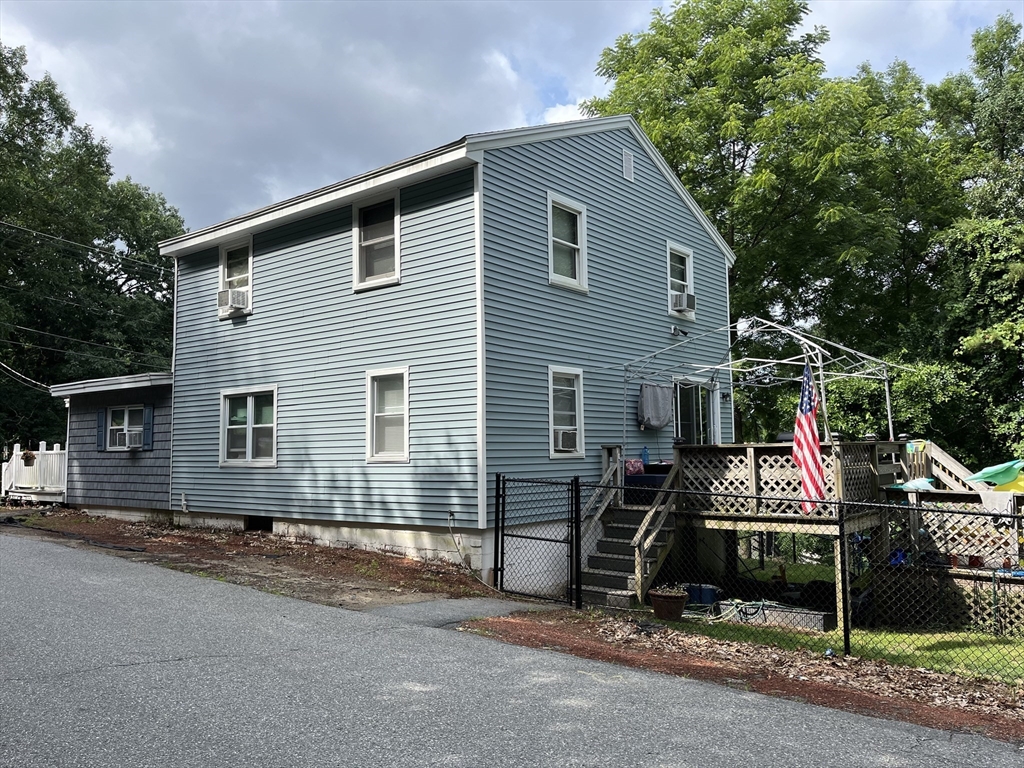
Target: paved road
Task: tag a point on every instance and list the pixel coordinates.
(106, 662)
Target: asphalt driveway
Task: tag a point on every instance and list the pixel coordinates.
(106, 662)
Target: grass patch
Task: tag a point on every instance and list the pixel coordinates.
(968, 654)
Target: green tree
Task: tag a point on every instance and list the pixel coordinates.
(828, 189)
(83, 290)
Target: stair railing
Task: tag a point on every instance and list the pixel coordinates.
(609, 488)
(648, 531)
(951, 472)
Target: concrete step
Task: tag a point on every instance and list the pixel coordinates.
(614, 598)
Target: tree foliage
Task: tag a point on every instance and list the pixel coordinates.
(879, 211)
(83, 290)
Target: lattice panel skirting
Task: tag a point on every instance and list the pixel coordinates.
(780, 478)
(858, 473)
(715, 474)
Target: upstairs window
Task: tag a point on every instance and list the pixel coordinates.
(377, 258)
(681, 299)
(566, 412)
(249, 427)
(234, 296)
(567, 243)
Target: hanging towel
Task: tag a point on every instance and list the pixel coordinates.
(654, 409)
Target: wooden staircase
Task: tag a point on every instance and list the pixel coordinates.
(609, 574)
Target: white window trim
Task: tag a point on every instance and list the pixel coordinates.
(390, 458)
(580, 210)
(581, 442)
(687, 253)
(124, 408)
(222, 281)
(358, 283)
(254, 390)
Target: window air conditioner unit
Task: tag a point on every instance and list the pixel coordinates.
(565, 440)
(684, 302)
(231, 300)
(134, 439)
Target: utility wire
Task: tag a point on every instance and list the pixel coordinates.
(83, 341)
(23, 379)
(91, 248)
(97, 310)
(74, 352)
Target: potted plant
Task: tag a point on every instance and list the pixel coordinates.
(28, 458)
(669, 601)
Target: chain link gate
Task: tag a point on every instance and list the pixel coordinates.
(537, 538)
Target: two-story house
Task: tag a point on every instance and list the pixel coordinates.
(356, 363)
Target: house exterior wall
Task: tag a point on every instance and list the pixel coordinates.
(137, 479)
(314, 339)
(530, 324)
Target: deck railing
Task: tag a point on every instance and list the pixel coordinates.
(45, 470)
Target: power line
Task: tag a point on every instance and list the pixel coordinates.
(97, 310)
(22, 378)
(74, 352)
(83, 341)
(90, 248)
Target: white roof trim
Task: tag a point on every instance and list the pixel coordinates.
(406, 171)
(462, 153)
(111, 384)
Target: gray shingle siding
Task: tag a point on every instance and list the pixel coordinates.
(531, 324)
(137, 479)
(314, 338)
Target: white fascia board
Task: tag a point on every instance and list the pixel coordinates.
(445, 159)
(497, 139)
(111, 384)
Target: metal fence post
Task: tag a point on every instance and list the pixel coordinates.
(844, 575)
(499, 524)
(577, 544)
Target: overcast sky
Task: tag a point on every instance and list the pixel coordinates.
(228, 106)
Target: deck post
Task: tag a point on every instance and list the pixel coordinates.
(752, 473)
(841, 555)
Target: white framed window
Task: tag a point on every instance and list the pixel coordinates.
(234, 295)
(124, 428)
(681, 299)
(387, 415)
(567, 243)
(249, 427)
(565, 413)
(376, 257)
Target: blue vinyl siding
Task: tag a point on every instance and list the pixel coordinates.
(313, 338)
(531, 324)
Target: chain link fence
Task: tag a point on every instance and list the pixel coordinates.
(938, 585)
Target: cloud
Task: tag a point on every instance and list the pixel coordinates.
(226, 107)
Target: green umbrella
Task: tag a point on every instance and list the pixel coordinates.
(1000, 473)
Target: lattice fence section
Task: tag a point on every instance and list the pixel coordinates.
(969, 538)
(779, 479)
(707, 475)
(858, 473)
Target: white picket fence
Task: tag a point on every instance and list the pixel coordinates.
(44, 478)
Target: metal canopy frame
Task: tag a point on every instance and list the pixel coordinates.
(829, 361)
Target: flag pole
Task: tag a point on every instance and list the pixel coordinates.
(821, 399)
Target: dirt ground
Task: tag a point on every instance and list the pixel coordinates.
(359, 580)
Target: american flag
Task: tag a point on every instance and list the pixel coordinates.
(806, 447)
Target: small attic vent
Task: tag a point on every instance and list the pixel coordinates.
(627, 165)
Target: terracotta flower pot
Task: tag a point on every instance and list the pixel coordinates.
(668, 606)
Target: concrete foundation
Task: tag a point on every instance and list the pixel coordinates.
(132, 515)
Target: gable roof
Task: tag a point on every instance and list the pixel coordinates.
(459, 154)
